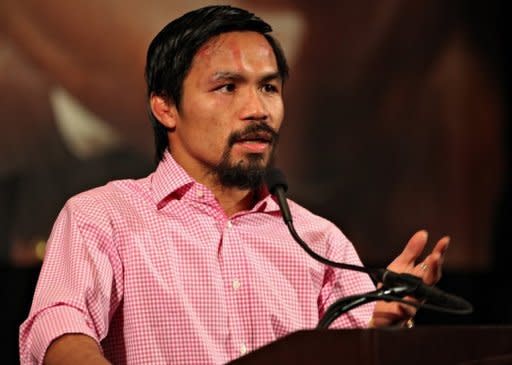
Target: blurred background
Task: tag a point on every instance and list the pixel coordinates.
(397, 119)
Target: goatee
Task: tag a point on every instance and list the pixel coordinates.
(250, 172)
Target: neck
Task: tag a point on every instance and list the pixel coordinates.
(233, 200)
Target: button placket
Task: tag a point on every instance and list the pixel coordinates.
(243, 349)
(233, 252)
(236, 284)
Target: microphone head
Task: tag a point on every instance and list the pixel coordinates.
(275, 178)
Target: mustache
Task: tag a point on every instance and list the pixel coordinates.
(254, 131)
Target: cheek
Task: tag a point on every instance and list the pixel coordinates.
(278, 113)
(215, 119)
(210, 129)
(209, 108)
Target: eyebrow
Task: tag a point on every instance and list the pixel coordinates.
(272, 76)
(234, 76)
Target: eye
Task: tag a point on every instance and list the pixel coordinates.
(270, 88)
(227, 88)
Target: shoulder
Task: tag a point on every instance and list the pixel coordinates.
(323, 236)
(111, 199)
(304, 216)
(314, 225)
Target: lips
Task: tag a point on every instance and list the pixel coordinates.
(258, 137)
(256, 142)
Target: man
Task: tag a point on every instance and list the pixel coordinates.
(193, 263)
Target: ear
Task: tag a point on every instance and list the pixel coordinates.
(164, 110)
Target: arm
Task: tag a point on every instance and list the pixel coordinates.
(343, 283)
(74, 349)
(339, 283)
(80, 285)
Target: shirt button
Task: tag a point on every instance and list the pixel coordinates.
(243, 349)
(229, 224)
(236, 284)
(199, 194)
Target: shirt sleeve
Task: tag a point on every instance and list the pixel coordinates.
(339, 283)
(80, 284)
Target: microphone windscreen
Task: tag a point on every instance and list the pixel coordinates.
(274, 178)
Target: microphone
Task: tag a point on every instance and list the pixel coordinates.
(434, 298)
(277, 185)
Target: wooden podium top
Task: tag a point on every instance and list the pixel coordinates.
(417, 346)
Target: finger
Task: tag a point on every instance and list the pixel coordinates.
(442, 245)
(436, 259)
(430, 269)
(414, 247)
(388, 313)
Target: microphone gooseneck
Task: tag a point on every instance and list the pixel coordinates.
(395, 285)
(277, 185)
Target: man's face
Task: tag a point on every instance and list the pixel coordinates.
(231, 110)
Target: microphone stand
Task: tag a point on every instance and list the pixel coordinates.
(343, 305)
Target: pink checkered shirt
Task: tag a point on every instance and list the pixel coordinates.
(156, 272)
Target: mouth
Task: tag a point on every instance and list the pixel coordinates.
(257, 137)
(257, 142)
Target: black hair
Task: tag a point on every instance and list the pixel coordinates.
(172, 51)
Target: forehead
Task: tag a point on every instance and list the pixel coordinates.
(236, 51)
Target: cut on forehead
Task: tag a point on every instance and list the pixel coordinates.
(228, 41)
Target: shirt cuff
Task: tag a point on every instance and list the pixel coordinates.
(52, 323)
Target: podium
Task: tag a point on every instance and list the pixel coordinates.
(464, 345)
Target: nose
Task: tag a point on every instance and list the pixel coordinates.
(254, 107)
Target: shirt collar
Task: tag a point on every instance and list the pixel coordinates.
(266, 203)
(170, 179)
